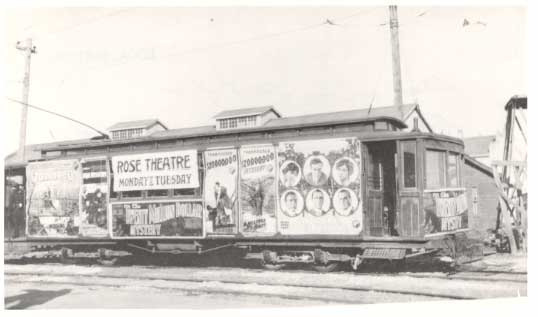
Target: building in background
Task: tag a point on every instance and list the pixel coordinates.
(482, 148)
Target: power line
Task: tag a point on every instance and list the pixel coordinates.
(239, 42)
(361, 12)
(275, 34)
(76, 25)
(236, 42)
(59, 115)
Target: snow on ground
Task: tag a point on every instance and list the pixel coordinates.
(403, 283)
(23, 295)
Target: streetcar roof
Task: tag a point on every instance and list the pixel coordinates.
(393, 114)
(243, 112)
(135, 124)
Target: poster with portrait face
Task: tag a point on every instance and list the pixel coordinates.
(220, 191)
(319, 187)
(257, 190)
(53, 198)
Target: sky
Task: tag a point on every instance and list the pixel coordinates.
(183, 65)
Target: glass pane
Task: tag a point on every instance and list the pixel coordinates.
(409, 164)
(184, 192)
(131, 194)
(158, 193)
(452, 170)
(435, 169)
(374, 174)
(113, 194)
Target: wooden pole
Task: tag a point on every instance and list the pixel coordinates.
(28, 50)
(396, 68)
(506, 218)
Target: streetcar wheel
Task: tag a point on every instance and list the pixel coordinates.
(107, 262)
(271, 267)
(66, 256)
(326, 268)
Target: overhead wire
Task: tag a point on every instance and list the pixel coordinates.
(221, 45)
(57, 114)
(230, 43)
(86, 22)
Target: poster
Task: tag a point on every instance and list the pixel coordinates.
(53, 190)
(319, 187)
(220, 190)
(446, 210)
(162, 170)
(257, 189)
(157, 219)
(92, 221)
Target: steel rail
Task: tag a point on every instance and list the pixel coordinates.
(264, 283)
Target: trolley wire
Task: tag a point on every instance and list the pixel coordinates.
(71, 27)
(59, 115)
(217, 46)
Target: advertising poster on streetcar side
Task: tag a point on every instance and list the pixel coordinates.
(157, 219)
(445, 210)
(92, 221)
(319, 187)
(53, 190)
(161, 170)
(257, 190)
(220, 190)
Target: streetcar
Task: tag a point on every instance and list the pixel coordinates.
(319, 189)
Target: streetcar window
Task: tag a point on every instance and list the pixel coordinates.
(131, 194)
(375, 174)
(409, 150)
(113, 194)
(381, 125)
(452, 170)
(435, 169)
(185, 192)
(158, 193)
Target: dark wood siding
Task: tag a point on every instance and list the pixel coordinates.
(486, 218)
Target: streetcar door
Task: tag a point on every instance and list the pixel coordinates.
(380, 187)
(14, 203)
(409, 219)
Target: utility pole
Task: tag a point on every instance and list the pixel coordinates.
(28, 49)
(396, 70)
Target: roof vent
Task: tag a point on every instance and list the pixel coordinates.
(135, 129)
(245, 118)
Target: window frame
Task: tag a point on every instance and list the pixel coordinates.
(446, 154)
(402, 174)
(458, 175)
(442, 161)
(152, 193)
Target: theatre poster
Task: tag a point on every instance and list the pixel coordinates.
(319, 187)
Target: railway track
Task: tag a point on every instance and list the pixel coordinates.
(297, 291)
(341, 287)
(475, 275)
(485, 276)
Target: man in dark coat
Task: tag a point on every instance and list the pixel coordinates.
(316, 176)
